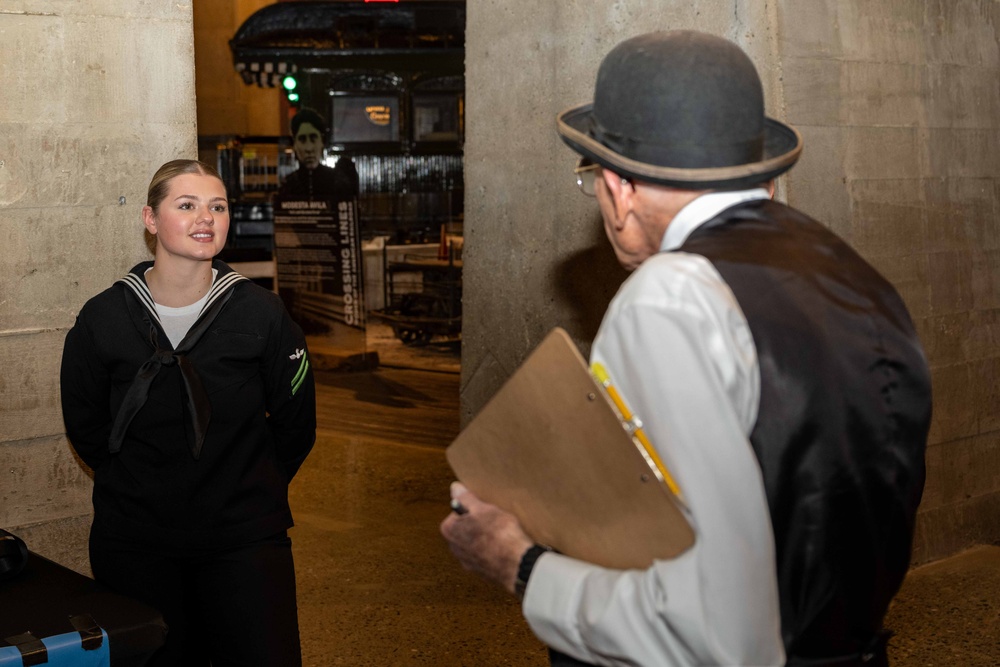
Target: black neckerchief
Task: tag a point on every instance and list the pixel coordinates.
(199, 405)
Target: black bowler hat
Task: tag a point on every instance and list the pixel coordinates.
(683, 109)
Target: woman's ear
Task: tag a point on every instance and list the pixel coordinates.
(149, 219)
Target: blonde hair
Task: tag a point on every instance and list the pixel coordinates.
(159, 186)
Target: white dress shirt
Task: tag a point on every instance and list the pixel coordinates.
(678, 348)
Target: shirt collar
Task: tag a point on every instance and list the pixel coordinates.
(703, 209)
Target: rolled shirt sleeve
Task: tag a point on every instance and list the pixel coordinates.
(679, 351)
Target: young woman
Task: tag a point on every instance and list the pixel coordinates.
(188, 390)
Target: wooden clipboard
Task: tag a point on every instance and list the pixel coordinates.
(550, 448)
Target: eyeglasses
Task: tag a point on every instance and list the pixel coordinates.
(586, 173)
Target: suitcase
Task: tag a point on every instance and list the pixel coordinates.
(53, 616)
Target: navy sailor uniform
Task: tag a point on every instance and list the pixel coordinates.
(195, 444)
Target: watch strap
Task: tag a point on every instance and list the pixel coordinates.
(527, 564)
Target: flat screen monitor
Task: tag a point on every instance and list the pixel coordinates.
(365, 119)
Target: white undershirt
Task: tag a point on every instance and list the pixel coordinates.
(176, 322)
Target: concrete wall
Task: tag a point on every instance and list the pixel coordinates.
(534, 248)
(96, 95)
(900, 108)
(900, 111)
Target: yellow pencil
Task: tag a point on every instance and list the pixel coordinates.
(602, 377)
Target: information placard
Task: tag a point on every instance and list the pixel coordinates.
(320, 270)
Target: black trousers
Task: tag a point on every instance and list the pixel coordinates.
(226, 608)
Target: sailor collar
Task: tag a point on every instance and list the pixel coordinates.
(199, 406)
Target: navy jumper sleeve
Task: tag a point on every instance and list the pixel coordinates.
(291, 393)
(85, 390)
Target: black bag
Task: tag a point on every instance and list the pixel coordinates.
(13, 555)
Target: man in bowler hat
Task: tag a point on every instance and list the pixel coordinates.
(776, 372)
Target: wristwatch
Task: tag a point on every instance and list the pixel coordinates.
(527, 565)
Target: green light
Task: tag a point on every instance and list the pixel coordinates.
(293, 97)
(289, 83)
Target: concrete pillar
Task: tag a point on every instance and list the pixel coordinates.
(900, 111)
(535, 256)
(96, 95)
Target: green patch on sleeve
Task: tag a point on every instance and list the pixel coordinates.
(300, 375)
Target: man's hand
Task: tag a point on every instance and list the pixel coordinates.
(485, 539)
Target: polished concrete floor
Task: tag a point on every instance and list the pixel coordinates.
(377, 585)
(376, 582)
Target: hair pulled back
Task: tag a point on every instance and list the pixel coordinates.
(159, 186)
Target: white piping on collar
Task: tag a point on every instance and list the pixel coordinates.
(136, 284)
(141, 290)
(220, 286)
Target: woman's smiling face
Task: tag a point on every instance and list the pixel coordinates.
(192, 221)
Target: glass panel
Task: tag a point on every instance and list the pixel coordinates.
(436, 117)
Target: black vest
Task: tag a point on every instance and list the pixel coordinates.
(844, 412)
